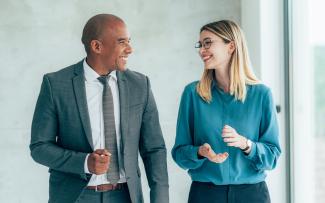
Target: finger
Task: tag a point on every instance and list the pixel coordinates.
(219, 158)
(103, 152)
(232, 144)
(106, 155)
(223, 159)
(100, 151)
(222, 155)
(227, 127)
(211, 155)
(228, 135)
(104, 159)
(106, 152)
(95, 156)
(226, 130)
(207, 146)
(100, 161)
(229, 140)
(226, 154)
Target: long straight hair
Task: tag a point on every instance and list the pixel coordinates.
(241, 73)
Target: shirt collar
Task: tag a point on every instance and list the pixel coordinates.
(91, 75)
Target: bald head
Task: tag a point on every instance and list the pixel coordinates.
(96, 26)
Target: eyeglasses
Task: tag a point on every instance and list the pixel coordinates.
(206, 44)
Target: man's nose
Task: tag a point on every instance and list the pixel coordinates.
(129, 49)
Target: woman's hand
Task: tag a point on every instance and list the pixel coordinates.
(206, 151)
(232, 138)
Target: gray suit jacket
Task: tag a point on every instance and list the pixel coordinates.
(61, 134)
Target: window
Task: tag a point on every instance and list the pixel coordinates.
(306, 82)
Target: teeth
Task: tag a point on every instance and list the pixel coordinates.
(124, 58)
(205, 58)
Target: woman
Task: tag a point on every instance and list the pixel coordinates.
(227, 131)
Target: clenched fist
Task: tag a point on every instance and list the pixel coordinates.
(98, 161)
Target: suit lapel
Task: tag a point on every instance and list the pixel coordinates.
(80, 94)
(124, 105)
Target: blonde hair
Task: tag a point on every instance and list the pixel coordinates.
(240, 70)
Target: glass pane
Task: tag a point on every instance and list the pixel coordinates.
(317, 16)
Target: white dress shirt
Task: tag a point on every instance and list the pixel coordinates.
(94, 94)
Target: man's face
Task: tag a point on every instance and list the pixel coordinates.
(116, 47)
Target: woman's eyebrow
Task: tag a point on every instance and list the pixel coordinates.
(206, 38)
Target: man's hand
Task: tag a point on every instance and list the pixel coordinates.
(206, 151)
(232, 138)
(98, 161)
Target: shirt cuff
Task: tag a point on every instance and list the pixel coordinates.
(86, 165)
(252, 153)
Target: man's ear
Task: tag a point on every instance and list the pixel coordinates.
(96, 46)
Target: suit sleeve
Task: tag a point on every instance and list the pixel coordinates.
(184, 152)
(43, 147)
(153, 151)
(266, 151)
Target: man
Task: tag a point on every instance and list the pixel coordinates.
(91, 120)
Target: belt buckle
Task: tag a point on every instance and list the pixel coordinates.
(96, 189)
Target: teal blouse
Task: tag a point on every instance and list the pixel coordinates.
(200, 122)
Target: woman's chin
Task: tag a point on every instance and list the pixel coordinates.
(208, 67)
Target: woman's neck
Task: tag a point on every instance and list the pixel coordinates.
(223, 79)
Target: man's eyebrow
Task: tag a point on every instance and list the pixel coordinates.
(123, 39)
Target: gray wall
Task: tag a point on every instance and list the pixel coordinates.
(37, 37)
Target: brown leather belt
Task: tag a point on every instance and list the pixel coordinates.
(107, 187)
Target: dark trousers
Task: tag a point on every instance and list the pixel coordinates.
(114, 196)
(244, 193)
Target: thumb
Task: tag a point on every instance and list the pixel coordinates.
(102, 152)
(207, 146)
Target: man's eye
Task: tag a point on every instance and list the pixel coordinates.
(124, 42)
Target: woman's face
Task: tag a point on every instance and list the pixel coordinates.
(214, 52)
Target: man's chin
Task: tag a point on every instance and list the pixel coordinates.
(121, 68)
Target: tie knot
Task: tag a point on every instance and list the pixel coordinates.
(104, 79)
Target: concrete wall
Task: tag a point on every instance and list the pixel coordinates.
(37, 37)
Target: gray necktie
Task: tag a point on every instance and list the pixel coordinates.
(113, 174)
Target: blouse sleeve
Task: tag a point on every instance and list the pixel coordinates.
(266, 151)
(184, 152)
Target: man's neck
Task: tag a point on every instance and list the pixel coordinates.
(98, 67)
